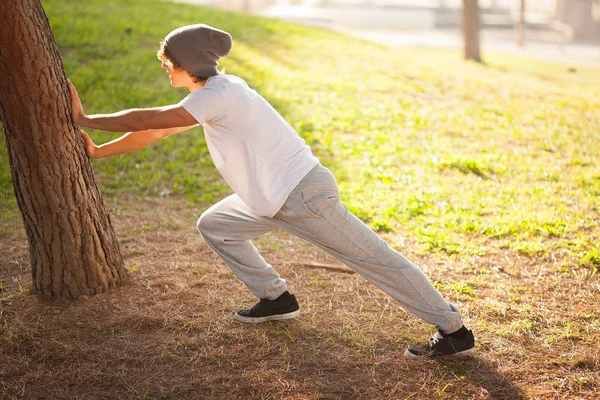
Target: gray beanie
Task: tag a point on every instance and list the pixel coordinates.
(198, 47)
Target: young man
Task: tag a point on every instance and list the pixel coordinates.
(278, 183)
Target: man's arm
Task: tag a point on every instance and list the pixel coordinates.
(129, 142)
(173, 116)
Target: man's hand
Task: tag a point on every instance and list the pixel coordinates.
(76, 107)
(90, 147)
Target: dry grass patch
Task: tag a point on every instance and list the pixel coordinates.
(170, 333)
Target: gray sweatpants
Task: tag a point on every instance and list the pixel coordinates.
(313, 212)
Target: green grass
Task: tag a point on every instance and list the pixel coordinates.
(463, 159)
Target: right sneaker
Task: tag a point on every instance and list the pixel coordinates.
(461, 342)
(284, 307)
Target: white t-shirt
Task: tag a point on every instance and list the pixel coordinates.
(256, 151)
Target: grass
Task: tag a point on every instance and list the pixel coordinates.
(479, 158)
(488, 176)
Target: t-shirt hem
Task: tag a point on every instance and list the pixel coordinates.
(293, 186)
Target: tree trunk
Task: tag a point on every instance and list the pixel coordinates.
(471, 30)
(72, 244)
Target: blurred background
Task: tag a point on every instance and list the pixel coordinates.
(559, 30)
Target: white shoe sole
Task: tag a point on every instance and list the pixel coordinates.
(459, 354)
(258, 320)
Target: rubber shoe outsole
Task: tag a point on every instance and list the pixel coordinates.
(463, 353)
(258, 320)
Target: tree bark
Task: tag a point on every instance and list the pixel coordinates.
(471, 30)
(72, 244)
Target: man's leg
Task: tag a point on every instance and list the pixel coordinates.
(228, 227)
(314, 212)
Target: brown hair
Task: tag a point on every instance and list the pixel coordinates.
(165, 55)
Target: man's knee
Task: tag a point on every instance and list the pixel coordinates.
(206, 223)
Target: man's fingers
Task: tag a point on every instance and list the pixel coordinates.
(73, 90)
(85, 135)
(90, 147)
(76, 106)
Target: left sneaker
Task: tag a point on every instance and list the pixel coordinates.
(284, 307)
(461, 342)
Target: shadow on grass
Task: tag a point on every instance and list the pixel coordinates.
(494, 383)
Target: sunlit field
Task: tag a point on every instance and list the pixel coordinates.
(487, 176)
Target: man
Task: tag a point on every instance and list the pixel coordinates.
(278, 183)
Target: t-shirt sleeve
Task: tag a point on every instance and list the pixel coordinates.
(205, 104)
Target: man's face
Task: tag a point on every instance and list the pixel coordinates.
(178, 77)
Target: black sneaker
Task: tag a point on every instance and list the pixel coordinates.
(284, 307)
(460, 342)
